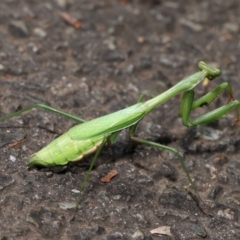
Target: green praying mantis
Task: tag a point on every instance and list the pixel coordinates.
(90, 136)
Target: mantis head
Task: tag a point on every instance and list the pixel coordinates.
(211, 72)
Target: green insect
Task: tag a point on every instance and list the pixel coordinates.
(90, 136)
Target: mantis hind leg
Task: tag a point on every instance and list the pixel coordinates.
(188, 104)
(46, 107)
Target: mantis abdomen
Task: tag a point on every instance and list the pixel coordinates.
(65, 149)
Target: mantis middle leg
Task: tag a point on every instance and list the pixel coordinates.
(132, 130)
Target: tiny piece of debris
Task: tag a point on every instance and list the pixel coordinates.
(220, 159)
(75, 191)
(74, 22)
(16, 143)
(109, 176)
(12, 158)
(67, 205)
(163, 230)
(141, 39)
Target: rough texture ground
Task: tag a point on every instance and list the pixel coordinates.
(120, 50)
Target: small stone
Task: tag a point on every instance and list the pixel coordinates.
(67, 205)
(236, 196)
(1, 67)
(39, 32)
(172, 61)
(145, 63)
(110, 43)
(138, 235)
(227, 213)
(199, 229)
(18, 29)
(222, 178)
(5, 181)
(210, 134)
(75, 191)
(49, 174)
(63, 3)
(169, 171)
(191, 25)
(141, 39)
(220, 159)
(174, 198)
(114, 236)
(130, 69)
(48, 222)
(12, 158)
(144, 179)
(113, 56)
(234, 171)
(33, 47)
(214, 192)
(231, 27)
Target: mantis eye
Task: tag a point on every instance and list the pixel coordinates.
(211, 71)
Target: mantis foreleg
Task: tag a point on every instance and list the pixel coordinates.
(188, 104)
(209, 97)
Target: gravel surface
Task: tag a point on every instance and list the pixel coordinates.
(90, 58)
